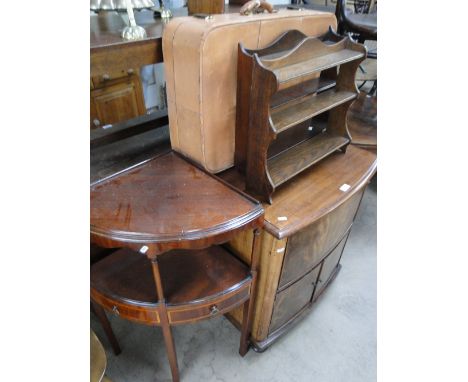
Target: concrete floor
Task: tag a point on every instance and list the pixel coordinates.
(336, 342)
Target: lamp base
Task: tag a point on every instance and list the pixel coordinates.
(135, 32)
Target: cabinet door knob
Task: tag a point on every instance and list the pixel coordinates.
(130, 71)
(105, 77)
(213, 310)
(96, 122)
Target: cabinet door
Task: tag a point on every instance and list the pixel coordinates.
(115, 103)
(329, 265)
(291, 300)
(308, 247)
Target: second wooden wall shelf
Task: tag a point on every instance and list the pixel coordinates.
(283, 85)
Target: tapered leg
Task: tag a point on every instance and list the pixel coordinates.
(246, 327)
(101, 314)
(170, 348)
(166, 328)
(247, 316)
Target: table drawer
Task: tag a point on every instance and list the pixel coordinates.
(214, 307)
(291, 300)
(148, 315)
(308, 247)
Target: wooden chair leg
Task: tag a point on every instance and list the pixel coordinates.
(101, 314)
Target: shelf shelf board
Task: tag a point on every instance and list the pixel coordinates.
(299, 110)
(289, 75)
(291, 162)
(187, 275)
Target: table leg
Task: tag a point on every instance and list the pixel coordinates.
(101, 314)
(247, 314)
(166, 328)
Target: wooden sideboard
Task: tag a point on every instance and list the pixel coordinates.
(116, 91)
(304, 235)
(115, 98)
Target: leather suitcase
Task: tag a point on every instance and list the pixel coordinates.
(200, 59)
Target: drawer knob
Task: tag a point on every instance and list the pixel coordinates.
(115, 310)
(106, 77)
(213, 310)
(130, 71)
(96, 122)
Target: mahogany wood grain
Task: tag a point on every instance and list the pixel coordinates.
(155, 204)
(293, 299)
(318, 217)
(315, 192)
(308, 247)
(262, 345)
(170, 203)
(329, 266)
(187, 276)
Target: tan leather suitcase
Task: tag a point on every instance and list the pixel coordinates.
(200, 59)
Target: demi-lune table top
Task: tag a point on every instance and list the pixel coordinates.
(168, 203)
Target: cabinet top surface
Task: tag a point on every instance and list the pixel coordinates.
(315, 192)
(168, 199)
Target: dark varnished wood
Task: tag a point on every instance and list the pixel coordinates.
(188, 276)
(329, 268)
(280, 46)
(287, 69)
(294, 160)
(243, 109)
(302, 109)
(168, 203)
(308, 247)
(315, 192)
(293, 299)
(318, 219)
(262, 345)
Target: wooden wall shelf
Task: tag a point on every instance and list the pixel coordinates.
(283, 85)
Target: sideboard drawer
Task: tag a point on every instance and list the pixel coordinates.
(291, 300)
(308, 247)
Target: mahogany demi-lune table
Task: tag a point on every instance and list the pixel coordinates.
(169, 218)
